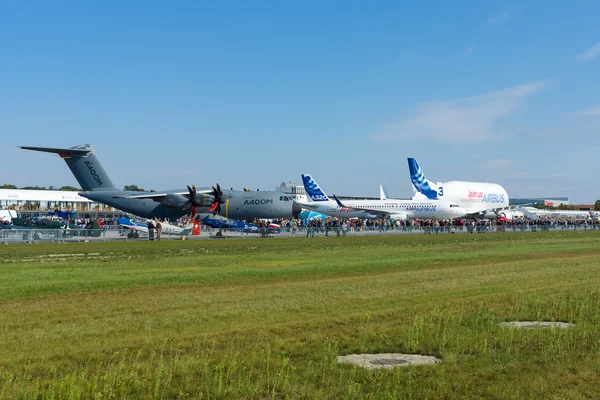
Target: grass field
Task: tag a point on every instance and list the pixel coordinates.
(268, 318)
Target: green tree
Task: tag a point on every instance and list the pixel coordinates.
(134, 188)
(542, 206)
(568, 207)
(34, 188)
(8, 186)
(597, 205)
(70, 189)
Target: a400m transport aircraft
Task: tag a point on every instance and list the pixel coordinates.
(375, 209)
(479, 199)
(171, 204)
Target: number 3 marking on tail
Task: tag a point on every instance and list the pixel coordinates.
(441, 192)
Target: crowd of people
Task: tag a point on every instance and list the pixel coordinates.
(5, 222)
(428, 226)
(154, 228)
(341, 226)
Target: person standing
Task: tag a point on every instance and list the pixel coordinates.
(150, 229)
(294, 228)
(158, 229)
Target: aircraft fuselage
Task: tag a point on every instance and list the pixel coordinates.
(238, 204)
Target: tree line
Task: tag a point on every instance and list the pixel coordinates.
(542, 206)
(64, 188)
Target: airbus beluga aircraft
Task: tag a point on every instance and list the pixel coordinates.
(172, 204)
(375, 209)
(479, 199)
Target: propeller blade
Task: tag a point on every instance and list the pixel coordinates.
(214, 206)
(192, 200)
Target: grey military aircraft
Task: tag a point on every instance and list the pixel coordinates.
(172, 204)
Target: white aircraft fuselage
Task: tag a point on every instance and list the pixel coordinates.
(475, 197)
(396, 209)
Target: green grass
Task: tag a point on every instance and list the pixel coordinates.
(267, 318)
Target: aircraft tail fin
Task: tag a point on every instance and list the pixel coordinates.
(313, 190)
(382, 194)
(419, 182)
(83, 164)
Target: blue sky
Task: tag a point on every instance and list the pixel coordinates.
(249, 94)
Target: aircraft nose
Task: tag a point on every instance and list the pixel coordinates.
(296, 210)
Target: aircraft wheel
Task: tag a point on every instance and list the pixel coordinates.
(130, 235)
(136, 235)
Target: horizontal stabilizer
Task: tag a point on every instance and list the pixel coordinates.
(77, 150)
(83, 164)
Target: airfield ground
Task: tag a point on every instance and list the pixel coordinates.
(268, 319)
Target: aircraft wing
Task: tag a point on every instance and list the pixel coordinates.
(129, 224)
(478, 214)
(153, 196)
(216, 222)
(486, 211)
(496, 211)
(135, 227)
(159, 196)
(309, 206)
(377, 213)
(224, 224)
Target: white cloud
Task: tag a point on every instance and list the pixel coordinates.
(589, 112)
(590, 53)
(499, 18)
(466, 120)
(497, 163)
(523, 174)
(470, 49)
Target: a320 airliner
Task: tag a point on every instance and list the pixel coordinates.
(477, 198)
(375, 209)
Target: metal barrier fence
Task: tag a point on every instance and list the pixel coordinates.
(86, 235)
(48, 235)
(339, 231)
